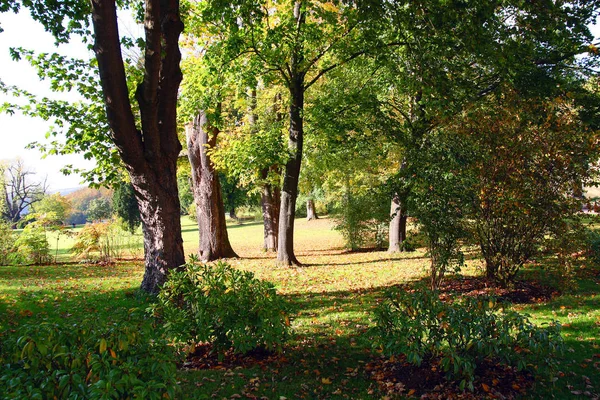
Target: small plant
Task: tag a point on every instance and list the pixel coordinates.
(464, 335)
(102, 241)
(32, 247)
(86, 361)
(7, 242)
(224, 306)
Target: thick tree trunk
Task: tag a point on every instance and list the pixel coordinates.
(150, 154)
(210, 212)
(269, 200)
(310, 210)
(397, 233)
(159, 210)
(289, 192)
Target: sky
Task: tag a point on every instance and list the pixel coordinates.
(17, 131)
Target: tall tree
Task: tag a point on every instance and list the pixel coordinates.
(210, 213)
(148, 149)
(19, 190)
(299, 42)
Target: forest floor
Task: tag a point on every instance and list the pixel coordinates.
(330, 353)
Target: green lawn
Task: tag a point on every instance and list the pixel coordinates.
(332, 297)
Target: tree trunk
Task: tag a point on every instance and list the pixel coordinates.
(158, 203)
(269, 201)
(310, 210)
(232, 214)
(210, 212)
(289, 192)
(397, 233)
(150, 154)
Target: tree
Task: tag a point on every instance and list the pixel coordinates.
(210, 214)
(99, 209)
(530, 158)
(126, 206)
(148, 149)
(299, 42)
(54, 209)
(19, 191)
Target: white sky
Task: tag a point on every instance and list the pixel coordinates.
(17, 131)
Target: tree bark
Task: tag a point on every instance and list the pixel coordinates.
(397, 233)
(310, 210)
(289, 192)
(210, 211)
(269, 201)
(150, 154)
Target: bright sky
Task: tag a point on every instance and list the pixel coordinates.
(17, 131)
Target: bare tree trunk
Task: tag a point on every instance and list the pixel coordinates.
(269, 201)
(310, 210)
(289, 192)
(397, 233)
(210, 212)
(150, 153)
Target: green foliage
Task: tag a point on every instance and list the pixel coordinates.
(362, 218)
(32, 247)
(7, 242)
(592, 244)
(439, 200)
(463, 335)
(224, 306)
(87, 361)
(126, 207)
(101, 241)
(184, 188)
(52, 210)
(99, 209)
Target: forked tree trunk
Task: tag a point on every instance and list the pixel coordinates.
(289, 192)
(210, 212)
(150, 153)
(397, 231)
(269, 200)
(310, 210)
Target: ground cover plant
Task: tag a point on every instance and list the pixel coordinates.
(332, 298)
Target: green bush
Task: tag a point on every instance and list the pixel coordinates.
(224, 306)
(7, 242)
(463, 335)
(86, 361)
(32, 247)
(592, 243)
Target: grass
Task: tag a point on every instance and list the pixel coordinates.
(332, 297)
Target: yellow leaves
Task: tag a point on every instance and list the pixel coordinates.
(326, 381)
(593, 49)
(102, 346)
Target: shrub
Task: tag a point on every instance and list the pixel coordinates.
(7, 242)
(463, 335)
(103, 241)
(592, 244)
(86, 361)
(32, 246)
(223, 306)
(362, 219)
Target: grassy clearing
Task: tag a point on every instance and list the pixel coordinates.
(331, 296)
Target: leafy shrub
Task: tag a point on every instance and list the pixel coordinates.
(463, 335)
(103, 241)
(86, 361)
(223, 306)
(592, 243)
(362, 218)
(7, 242)
(32, 246)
